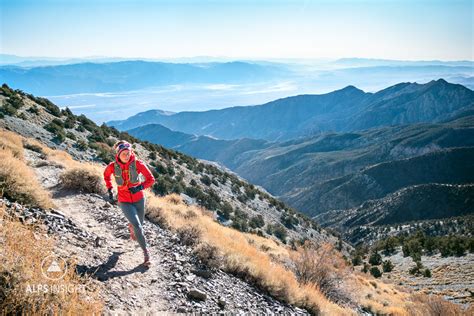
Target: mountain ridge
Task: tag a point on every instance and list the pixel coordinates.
(343, 110)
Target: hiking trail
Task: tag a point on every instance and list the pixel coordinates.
(95, 232)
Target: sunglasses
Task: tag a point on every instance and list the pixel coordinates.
(123, 146)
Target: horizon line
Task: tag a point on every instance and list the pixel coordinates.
(59, 58)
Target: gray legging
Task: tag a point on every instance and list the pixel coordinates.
(135, 213)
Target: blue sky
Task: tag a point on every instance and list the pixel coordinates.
(409, 30)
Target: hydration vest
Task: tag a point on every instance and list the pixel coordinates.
(132, 173)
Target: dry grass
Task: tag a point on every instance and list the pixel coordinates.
(81, 176)
(11, 142)
(22, 186)
(435, 306)
(21, 254)
(389, 299)
(58, 157)
(61, 157)
(18, 182)
(260, 261)
(231, 250)
(322, 265)
(83, 179)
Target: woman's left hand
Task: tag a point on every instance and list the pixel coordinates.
(136, 188)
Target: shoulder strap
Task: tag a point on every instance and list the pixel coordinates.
(118, 174)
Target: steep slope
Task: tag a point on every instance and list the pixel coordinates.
(200, 266)
(412, 203)
(450, 166)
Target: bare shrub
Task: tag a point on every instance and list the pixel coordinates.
(434, 305)
(190, 214)
(264, 248)
(322, 265)
(209, 255)
(82, 179)
(174, 199)
(189, 235)
(155, 214)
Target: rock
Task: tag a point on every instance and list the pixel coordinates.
(97, 242)
(221, 303)
(197, 294)
(57, 214)
(183, 284)
(202, 273)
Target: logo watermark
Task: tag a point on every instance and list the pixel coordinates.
(42, 288)
(54, 268)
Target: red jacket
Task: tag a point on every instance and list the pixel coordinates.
(124, 195)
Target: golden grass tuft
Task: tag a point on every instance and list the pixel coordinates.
(61, 157)
(174, 199)
(22, 284)
(33, 144)
(11, 142)
(18, 182)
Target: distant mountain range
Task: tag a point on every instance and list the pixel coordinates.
(89, 77)
(68, 76)
(344, 110)
(33, 61)
(307, 171)
(373, 62)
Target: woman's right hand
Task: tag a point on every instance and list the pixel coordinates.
(111, 195)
